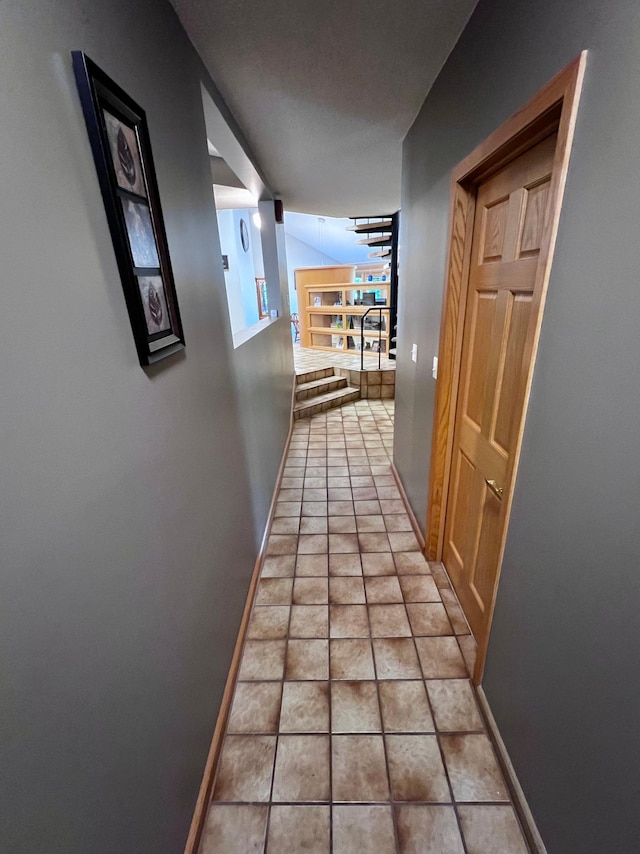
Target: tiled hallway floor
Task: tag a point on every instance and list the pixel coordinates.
(354, 728)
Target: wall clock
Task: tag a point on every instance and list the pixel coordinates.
(244, 235)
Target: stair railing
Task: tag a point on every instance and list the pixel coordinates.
(379, 308)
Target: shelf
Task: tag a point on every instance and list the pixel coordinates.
(352, 333)
(344, 309)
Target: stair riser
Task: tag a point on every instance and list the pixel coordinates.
(310, 393)
(308, 411)
(310, 376)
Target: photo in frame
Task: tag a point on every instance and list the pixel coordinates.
(119, 138)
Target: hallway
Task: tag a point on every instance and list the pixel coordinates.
(354, 728)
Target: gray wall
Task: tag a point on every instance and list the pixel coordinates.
(564, 659)
(131, 501)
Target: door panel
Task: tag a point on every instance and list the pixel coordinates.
(510, 219)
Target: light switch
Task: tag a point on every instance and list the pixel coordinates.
(414, 352)
(434, 369)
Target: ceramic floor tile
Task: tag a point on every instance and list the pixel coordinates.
(286, 508)
(297, 829)
(311, 482)
(256, 707)
(473, 769)
(302, 769)
(307, 659)
(311, 591)
(416, 769)
(373, 542)
(469, 651)
(234, 829)
(361, 480)
(309, 621)
(428, 619)
(367, 508)
(440, 577)
(263, 660)
(454, 612)
(388, 492)
(340, 493)
(354, 707)
(396, 658)
(343, 543)
(342, 524)
(282, 544)
(274, 591)
(454, 705)
(311, 544)
(364, 493)
(269, 622)
(440, 658)
(305, 707)
(285, 525)
(290, 495)
(345, 564)
(428, 830)
(279, 566)
(365, 829)
(399, 523)
(339, 483)
(405, 707)
(314, 494)
(341, 508)
(359, 771)
(378, 563)
(351, 659)
(312, 565)
(346, 591)
(419, 588)
(246, 765)
(314, 508)
(491, 830)
(313, 525)
(383, 590)
(411, 563)
(348, 621)
(370, 524)
(391, 505)
(389, 621)
(403, 541)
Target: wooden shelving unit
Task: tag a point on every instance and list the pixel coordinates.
(331, 303)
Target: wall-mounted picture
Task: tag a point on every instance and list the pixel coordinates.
(125, 155)
(154, 303)
(119, 138)
(140, 232)
(263, 299)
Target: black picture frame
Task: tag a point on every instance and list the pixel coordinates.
(119, 138)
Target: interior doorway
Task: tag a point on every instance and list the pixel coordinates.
(506, 200)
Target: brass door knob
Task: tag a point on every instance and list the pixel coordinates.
(493, 486)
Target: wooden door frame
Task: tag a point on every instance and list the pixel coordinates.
(553, 109)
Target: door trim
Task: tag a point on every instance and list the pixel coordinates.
(553, 109)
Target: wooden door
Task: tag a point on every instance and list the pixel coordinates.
(511, 216)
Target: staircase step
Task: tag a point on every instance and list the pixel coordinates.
(323, 402)
(385, 240)
(317, 374)
(371, 227)
(315, 388)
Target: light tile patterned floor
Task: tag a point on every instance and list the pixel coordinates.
(354, 727)
(308, 359)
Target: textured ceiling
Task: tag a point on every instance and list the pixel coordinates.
(325, 90)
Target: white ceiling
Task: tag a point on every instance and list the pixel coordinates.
(325, 90)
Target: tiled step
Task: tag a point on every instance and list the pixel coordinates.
(309, 376)
(307, 391)
(323, 402)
